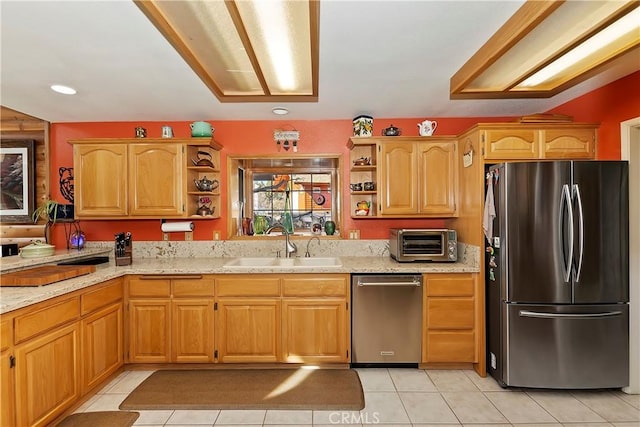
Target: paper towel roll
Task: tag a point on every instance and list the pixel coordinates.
(168, 227)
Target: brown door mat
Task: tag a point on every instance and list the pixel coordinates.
(44, 275)
(100, 419)
(317, 389)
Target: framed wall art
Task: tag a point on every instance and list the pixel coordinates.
(17, 181)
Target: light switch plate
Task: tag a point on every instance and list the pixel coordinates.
(165, 236)
(188, 235)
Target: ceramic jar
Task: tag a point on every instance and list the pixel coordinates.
(363, 126)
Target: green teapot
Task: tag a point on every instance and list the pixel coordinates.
(199, 129)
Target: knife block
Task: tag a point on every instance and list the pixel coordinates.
(127, 258)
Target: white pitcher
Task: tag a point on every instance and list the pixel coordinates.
(427, 128)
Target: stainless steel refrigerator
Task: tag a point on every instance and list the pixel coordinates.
(557, 281)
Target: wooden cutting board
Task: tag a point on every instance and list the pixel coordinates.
(44, 275)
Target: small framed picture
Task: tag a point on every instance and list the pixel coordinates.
(17, 181)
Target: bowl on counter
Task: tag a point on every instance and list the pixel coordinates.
(37, 249)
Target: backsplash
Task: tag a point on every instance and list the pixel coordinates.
(467, 254)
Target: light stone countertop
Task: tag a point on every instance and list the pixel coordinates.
(17, 262)
(13, 298)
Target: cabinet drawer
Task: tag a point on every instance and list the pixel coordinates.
(450, 347)
(196, 287)
(315, 286)
(149, 286)
(104, 296)
(450, 313)
(6, 334)
(449, 285)
(39, 321)
(264, 286)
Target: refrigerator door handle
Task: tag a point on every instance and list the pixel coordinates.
(527, 313)
(566, 200)
(576, 190)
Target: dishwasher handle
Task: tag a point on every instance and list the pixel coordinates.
(410, 282)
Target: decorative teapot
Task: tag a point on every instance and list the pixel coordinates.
(205, 208)
(427, 128)
(206, 184)
(201, 129)
(391, 131)
(204, 159)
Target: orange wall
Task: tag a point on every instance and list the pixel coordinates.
(609, 105)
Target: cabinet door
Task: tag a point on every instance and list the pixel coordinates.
(438, 174)
(569, 143)
(102, 351)
(149, 331)
(100, 182)
(315, 330)
(47, 380)
(156, 179)
(398, 180)
(248, 330)
(7, 393)
(511, 143)
(192, 339)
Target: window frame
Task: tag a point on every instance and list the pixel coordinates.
(235, 163)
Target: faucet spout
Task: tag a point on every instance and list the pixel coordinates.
(290, 248)
(307, 254)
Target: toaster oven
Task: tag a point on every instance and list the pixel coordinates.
(423, 245)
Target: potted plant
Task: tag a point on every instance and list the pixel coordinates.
(52, 211)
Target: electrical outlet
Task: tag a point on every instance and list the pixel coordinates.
(188, 235)
(165, 236)
(216, 234)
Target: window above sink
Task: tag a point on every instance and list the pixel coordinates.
(259, 185)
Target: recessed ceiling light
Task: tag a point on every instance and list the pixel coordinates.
(280, 111)
(66, 90)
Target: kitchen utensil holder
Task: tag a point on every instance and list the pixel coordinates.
(127, 259)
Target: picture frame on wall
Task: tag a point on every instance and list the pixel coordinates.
(17, 181)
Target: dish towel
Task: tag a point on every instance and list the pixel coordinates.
(489, 210)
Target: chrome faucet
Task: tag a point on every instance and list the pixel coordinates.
(290, 248)
(307, 254)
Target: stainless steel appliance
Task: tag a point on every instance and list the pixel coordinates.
(557, 280)
(386, 322)
(408, 245)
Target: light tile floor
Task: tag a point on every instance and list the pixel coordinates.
(410, 397)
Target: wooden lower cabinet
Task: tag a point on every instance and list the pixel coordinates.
(192, 331)
(315, 330)
(149, 331)
(102, 345)
(7, 379)
(450, 318)
(47, 375)
(248, 330)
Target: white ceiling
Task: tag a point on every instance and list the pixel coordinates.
(384, 58)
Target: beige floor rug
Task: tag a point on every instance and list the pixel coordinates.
(319, 389)
(100, 419)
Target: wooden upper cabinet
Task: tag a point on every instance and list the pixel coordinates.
(564, 143)
(100, 180)
(142, 178)
(437, 170)
(156, 179)
(510, 143)
(418, 177)
(398, 181)
(536, 141)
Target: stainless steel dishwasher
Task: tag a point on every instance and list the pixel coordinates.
(386, 319)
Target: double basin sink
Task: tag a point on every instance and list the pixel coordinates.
(257, 262)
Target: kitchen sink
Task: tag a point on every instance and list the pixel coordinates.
(256, 262)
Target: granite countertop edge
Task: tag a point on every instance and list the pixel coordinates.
(13, 298)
